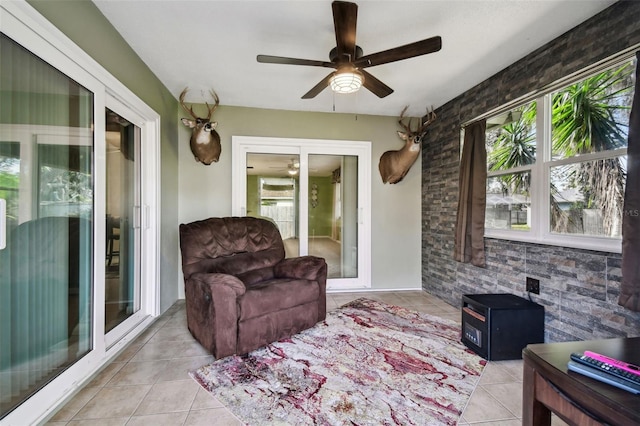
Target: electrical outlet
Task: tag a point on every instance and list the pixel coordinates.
(533, 285)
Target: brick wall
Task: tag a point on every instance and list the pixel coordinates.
(579, 288)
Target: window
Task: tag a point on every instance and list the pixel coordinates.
(511, 155)
(277, 201)
(556, 165)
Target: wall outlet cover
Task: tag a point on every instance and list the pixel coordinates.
(533, 285)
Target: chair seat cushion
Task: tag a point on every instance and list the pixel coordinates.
(277, 294)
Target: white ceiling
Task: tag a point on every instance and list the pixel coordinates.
(213, 44)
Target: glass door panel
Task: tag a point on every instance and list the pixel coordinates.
(273, 182)
(333, 213)
(47, 194)
(122, 282)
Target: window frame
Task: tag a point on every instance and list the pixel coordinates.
(540, 232)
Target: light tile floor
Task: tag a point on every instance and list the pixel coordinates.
(148, 384)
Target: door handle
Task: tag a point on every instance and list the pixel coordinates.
(136, 217)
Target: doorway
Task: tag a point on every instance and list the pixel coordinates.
(317, 193)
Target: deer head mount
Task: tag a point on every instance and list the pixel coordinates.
(394, 165)
(205, 141)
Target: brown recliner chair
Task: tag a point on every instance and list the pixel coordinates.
(241, 292)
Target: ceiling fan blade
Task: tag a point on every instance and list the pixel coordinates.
(376, 87)
(318, 88)
(407, 51)
(345, 17)
(268, 59)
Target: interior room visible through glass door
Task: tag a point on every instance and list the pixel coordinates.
(122, 283)
(333, 212)
(273, 192)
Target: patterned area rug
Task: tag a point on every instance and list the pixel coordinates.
(368, 363)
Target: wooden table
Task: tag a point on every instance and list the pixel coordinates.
(549, 386)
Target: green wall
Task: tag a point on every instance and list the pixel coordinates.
(192, 191)
(253, 199)
(396, 225)
(84, 24)
(320, 216)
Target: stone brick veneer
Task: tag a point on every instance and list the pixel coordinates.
(579, 288)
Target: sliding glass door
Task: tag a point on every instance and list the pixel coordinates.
(78, 206)
(317, 193)
(46, 223)
(333, 213)
(123, 205)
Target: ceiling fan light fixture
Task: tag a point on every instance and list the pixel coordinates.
(292, 172)
(346, 80)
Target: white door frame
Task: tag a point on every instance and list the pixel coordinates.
(242, 145)
(145, 271)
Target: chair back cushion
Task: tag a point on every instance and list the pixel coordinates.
(230, 245)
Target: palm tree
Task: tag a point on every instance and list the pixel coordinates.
(513, 144)
(587, 114)
(587, 117)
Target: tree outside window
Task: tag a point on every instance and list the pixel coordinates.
(581, 159)
(511, 154)
(588, 117)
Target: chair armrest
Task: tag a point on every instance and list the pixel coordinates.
(222, 284)
(309, 268)
(305, 267)
(212, 311)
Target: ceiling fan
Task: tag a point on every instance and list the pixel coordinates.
(293, 167)
(348, 60)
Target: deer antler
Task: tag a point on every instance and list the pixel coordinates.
(215, 97)
(210, 109)
(404, 126)
(431, 117)
(188, 110)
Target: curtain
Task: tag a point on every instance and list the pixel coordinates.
(469, 238)
(630, 286)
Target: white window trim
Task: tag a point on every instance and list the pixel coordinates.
(540, 232)
(24, 24)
